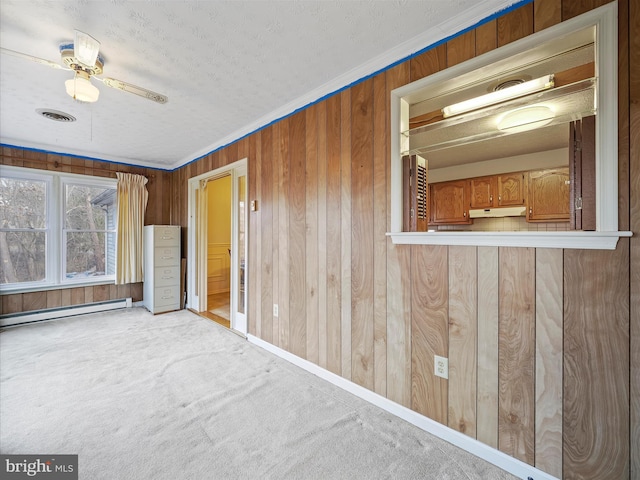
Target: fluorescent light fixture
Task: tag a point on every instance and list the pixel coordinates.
(80, 88)
(526, 118)
(85, 48)
(542, 83)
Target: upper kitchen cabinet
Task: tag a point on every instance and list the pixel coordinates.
(505, 190)
(511, 189)
(548, 195)
(515, 109)
(482, 192)
(449, 203)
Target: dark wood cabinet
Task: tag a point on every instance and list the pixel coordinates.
(449, 203)
(548, 195)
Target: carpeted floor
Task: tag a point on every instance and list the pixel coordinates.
(176, 396)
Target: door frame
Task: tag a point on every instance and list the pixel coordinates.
(196, 284)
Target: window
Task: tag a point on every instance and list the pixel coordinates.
(464, 132)
(55, 229)
(23, 228)
(89, 231)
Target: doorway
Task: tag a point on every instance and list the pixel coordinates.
(219, 215)
(217, 245)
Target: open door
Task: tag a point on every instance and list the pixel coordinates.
(239, 251)
(197, 256)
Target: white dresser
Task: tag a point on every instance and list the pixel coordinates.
(161, 268)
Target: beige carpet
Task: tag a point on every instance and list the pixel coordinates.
(176, 396)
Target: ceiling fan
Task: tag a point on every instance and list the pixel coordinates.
(82, 57)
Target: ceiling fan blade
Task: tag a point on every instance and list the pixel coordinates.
(127, 87)
(39, 60)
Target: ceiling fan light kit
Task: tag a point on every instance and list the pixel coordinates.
(80, 88)
(509, 93)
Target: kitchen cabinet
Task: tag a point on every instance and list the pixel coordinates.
(511, 189)
(544, 192)
(482, 192)
(548, 195)
(505, 190)
(449, 202)
(161, 268)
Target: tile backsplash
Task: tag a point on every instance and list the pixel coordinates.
(507, 224)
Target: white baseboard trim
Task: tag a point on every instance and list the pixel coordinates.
(479, 449)
(55, 313)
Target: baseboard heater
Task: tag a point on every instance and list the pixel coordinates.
(15, 319)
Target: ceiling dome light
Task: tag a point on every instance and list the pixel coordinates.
(81, 88)
(526, 118)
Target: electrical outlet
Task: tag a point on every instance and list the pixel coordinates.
(441, 366)
(275, 309)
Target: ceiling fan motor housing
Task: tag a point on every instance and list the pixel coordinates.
(70, 60)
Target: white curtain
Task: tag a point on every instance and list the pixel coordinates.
(132, 203)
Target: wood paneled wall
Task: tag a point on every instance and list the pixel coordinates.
(543, 344)
(533, 336)
(632, 46)
(158, 212)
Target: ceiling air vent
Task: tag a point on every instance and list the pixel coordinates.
(56, 115)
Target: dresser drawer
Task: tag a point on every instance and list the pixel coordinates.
(166, 256)
(167, 276)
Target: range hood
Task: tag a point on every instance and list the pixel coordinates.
(497, 212)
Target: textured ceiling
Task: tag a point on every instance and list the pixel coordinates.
(228, 67)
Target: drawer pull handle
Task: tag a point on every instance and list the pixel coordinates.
(166, 258)
(167, 297)
(167, 278)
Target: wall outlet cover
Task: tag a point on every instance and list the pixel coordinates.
(441, 366)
